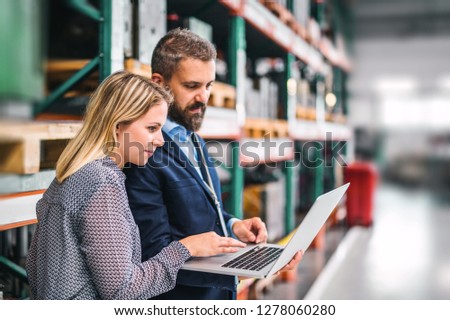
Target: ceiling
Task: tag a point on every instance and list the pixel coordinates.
(401, 18)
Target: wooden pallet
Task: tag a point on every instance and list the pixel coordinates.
(47, 116)
(137, 67)
(222, 95)
(260, 128)
(280, 11)
(313, 33)
(251, 201)
(306, 113)
(328, 116)
(301, 112)
(339, 118)
(28, 147)
(62, 66)
(285, 16)
(298, 28)
(335, 117)
(60, 70)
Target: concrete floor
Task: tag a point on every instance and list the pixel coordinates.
(404, 255)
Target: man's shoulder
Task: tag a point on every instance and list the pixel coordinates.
(159, 159)
(160, 153)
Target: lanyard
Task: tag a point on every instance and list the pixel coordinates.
(208, 180)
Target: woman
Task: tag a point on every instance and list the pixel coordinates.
(87, 245)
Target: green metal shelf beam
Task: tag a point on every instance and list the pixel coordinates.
(289, 214)
(84, 7)
(288, 169)
(237, 182)
(237, 43)
(14, 268)
(318, 171)
(105, 38)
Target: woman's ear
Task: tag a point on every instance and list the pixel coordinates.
(117, 129)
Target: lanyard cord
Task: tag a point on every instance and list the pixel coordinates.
(208, 180)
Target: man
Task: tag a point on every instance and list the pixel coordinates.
(173, 196)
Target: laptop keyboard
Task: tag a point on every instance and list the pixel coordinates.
(254, 259)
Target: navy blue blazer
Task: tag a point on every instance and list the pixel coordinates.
(170, 201)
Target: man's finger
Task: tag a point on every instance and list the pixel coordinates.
(262, 234)
(250, 236)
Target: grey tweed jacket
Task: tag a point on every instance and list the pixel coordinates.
(87, 245)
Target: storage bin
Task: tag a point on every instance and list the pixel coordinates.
(360, 195)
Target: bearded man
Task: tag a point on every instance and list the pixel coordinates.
(177, 193)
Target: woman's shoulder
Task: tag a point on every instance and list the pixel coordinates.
(98, 172)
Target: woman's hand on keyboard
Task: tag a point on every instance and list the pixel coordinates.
(210, 244)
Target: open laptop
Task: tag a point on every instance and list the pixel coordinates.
(264, 260)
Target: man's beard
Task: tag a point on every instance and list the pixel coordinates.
(191, 122)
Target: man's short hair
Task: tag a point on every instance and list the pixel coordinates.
(176, 45)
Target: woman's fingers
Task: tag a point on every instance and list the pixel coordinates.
(210, 244)
(229, 245)
(230, 242)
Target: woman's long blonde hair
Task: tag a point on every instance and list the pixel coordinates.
(123, 97)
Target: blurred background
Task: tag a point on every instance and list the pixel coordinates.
(374, 74)
(399, 109)
(399, 90)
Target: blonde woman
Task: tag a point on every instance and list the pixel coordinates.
(86, 245)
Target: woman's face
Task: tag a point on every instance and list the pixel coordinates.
(139, 139)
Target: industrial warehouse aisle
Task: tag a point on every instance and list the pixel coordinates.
(404, 255)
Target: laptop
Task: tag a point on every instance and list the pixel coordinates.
(264, 260)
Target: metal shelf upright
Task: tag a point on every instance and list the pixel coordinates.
(237, 58)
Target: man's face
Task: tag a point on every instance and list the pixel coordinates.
(191, 86)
